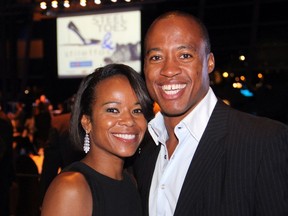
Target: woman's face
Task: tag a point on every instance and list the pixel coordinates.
(117, 124)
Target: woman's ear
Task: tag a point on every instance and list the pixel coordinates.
(86, 123)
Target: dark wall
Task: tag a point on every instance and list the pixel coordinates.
(257, 29)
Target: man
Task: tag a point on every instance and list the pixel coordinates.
(203, 157)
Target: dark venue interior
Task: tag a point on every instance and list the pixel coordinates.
(249, 40)
(256, 29)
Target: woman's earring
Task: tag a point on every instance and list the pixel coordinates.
(86, 146)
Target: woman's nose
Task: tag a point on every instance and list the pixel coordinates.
(127, 119)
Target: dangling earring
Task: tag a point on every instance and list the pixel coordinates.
(86, 146)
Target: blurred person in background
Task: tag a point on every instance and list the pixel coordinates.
(59, 153)
(18, 117)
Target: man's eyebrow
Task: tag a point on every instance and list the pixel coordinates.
(186, 47)
(152, 49)
(178, 48)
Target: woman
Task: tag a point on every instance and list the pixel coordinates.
(110, 117)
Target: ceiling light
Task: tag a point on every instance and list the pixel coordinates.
(43, 5)
(66, 4)
(54, 4)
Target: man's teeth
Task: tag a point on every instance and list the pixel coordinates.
(125, 136)
(173, 89)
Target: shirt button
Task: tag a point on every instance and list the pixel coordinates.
(162, 186)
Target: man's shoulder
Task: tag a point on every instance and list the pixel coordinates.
(252, 122)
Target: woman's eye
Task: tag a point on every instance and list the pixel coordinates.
(137, 110)
(112, 110)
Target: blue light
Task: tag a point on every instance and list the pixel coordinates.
(246, 92)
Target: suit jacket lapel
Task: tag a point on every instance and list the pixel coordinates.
(146, 163)
(150, 162)
(207, 155)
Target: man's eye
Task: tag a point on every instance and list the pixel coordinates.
(112, 110)
(186, 55)
(155, 58)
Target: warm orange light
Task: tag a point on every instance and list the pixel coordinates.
(243, 78)
(260, 75)
(225, 74)
(237, 85)
(156, 108)
(242, 58)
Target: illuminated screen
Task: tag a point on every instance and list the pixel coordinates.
(89, 41)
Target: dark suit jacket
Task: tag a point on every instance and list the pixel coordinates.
(239, 168)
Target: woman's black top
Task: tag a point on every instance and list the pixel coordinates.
(110, 197)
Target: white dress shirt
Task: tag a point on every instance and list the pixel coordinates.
(169, 173)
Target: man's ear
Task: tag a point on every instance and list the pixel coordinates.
(211, 62)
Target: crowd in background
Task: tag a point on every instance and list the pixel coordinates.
(34, 147)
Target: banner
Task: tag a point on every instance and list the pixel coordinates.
(89, 41)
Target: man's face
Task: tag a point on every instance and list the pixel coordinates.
(176, 65)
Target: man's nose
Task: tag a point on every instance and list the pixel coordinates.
(170, 68)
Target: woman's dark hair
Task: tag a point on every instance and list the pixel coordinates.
(85, 97)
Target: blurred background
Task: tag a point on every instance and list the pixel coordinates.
(39, 39)
(249, 39)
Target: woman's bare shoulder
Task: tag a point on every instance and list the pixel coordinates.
(68, 194)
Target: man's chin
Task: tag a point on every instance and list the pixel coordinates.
(173, 113)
